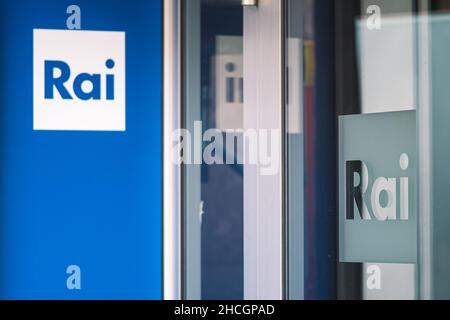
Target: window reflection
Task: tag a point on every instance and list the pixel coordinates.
(351, 57)
(213, 200)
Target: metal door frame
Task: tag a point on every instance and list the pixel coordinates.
(264, 110)
(172, 204)
(263, 204)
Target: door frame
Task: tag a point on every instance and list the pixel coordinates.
(172, 203)
(263, 195)
(264, 223)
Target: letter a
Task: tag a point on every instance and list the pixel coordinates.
(373, 278)
(74, 279)
(374, 20)
(74, 20)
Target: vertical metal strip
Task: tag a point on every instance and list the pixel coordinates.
(172, 173)
(263, 195)
(425, 153)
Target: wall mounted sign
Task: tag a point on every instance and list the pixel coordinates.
(79, 80)
(377, 188)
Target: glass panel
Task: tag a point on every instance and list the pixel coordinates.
(352, 92)
(438, 34)
(298, 58)
(213, 193)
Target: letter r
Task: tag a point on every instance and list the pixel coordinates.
(58, 83)
(355, 191)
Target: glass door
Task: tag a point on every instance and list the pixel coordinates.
(311, 148)
(363, 98)
(229, 149)
(212, 171)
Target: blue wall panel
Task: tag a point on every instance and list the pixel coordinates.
(91, 199)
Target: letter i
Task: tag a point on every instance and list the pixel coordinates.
(404, 189)
(110, 81)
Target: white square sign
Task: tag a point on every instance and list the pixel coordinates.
(79, 80)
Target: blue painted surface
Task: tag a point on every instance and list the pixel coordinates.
(91, 199)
